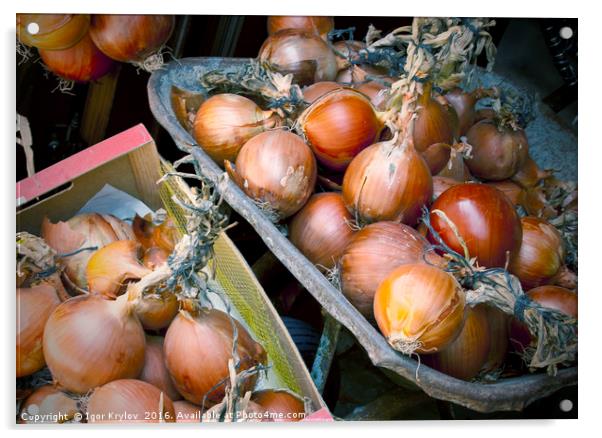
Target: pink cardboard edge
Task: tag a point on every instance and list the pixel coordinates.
(320, 415)
(82, 162)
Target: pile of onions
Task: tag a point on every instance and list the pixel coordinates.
(52, 31)
(484, 219)
(225, 122)
(276, 168)
(131, 38)
(186, 412)
(312, 92)
(280, 405)
(89, 341)
(303, 54)
(339, 125)
(46, 404)
(322, 229)
(196, 335)
(82, 62)
(373, 253)
(87, 230)
(464, 104)
(318, 25)
(498, 151)
(154, 371)
(467, 354)
(387, 181)
(130, 401)
(419, 308)
(34, 306)
(434, 124)
(541, 256)
(112, 266)
(551, 297)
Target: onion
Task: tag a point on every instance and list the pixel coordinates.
(529, 174)
(89, 341)
(513, 191)
(376, 92)
(164, 236)
(317, 25)
(373, 253)
(312, 92)
(339, 125)
(48, 404)
(131, 38)
(541, 254)
(466, 355)
(419, 308)
(433, 123)
(485, 220)
(81, 63)
(280, 405)
(195, 336)
(303, 54)
(130, 401)
(186, 412)
(441, 184)
(154, 257)
(111, 267)
(87, 230)
(498, 152)
(52, 31)
(154, 371)
(156, 311)
(359, 74)
(322, 229)
(387, 181)
(349, 50)
(34, 306)
(225, 122)
(499, 333)
(277, 169)
(550, 297)
(455, 167)
(464, 104)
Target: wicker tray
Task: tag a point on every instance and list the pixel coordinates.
(505, 394)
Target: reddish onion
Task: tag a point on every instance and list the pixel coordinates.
(485, 220)
(498, 152)
(456, 167)
(464, 104)
(82, 62)
(529, 174)
(441, 184)
(513, 191)
(551, 297)
(499, 333)
(276, 168)
(52, 31)
(131, 38)
(387, 181)
(541, 254)
(312, 92)
(419, 308)
(87, 230)
(163, 236)
(466, 355)
(377, 92)
(318, 25)
(111, 267)
(130, 401)
(154, 371)
(186, 412)
(156, 311)
(433, 123)
(303, 54)
(48, 404)
(280, 405)
(339, 125)
(225, 122)
(373, 253)
(89, 341)
(34, 306)
(322, 229)
(196, 335)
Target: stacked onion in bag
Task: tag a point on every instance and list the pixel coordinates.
(96, 342)
(405, 192)
(83, 48)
